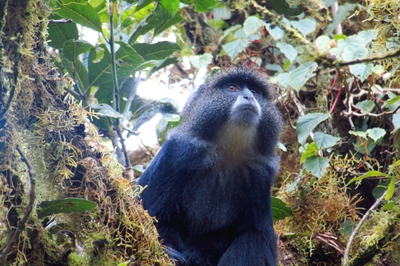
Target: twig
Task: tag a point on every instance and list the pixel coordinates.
(355, 231)
(24, 219)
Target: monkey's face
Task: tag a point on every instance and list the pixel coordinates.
(245, 109)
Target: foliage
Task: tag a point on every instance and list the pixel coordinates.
(337, 67)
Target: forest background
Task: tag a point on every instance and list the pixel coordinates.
(67, 177)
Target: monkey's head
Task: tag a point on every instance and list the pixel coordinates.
(234, 108)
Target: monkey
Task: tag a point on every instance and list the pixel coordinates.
(209, 187)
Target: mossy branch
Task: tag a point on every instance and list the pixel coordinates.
(24, 219)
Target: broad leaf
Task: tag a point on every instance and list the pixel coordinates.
(156, 51)
(316, 165)
(305, 26)
(279, 209)
(396, 122)
(234, 48)
(73, 48)
(59, 33)
(288, 50)
(376, 133)
(361, 71)
(305, 124)
(205, 5)
(324, 141)
(68, 205)
(366, 106)
(300, 75)
(80, 13)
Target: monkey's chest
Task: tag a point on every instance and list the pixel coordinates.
(223, 199)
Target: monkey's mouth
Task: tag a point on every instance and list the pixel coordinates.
(248, 108)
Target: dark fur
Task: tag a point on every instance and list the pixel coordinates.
(211, 194)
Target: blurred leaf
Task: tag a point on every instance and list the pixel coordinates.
(361, 71)
(396, 122)
(59, 33)
(311, 150)
(366, 106)
(157, 51)
(359, 133)
(276, 32)
(166, 123)
(342, 13)
(391, 188)
(105, 110)
(78, 72)
(376, 133)
(252, 25)
(287, 50)
(80, 13)
(234, 48)
(300, 75)
(283, 8)
(305, 26)
(305, 124)
(73, 48)
(279, 209)
(324, 141)
(200, 61)
(204, 5)
(368, 35)
(368, 174)
(316, 165)
(323, 43)
(68, 205)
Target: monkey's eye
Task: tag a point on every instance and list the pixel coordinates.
(254, 90)
(232, 88)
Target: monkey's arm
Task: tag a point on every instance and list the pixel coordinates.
(167, 178)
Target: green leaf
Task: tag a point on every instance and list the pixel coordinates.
(376, 133)
(128, 60)
(323, 43)
(368, 35)
(316, 165)
(80, 13)
(361, 71)
(324, 141)
(366, 106)
(305, 124)
(205, 5)
(368, 174)
(288, 50)
(252, 25)
(283, 8)
(201, 61)
(105, 110)
(351, 48)
(300, 75)
(166, 123)
(234, 48)
(396, 122)
(311, 150)
(391, 188)
(156, 51)
(78, 72)
(305, 26)
(68, 205)
(342, 14)
(279, 209)
(59, 33)
(73, 48)
(358, 133)
(276, 32)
